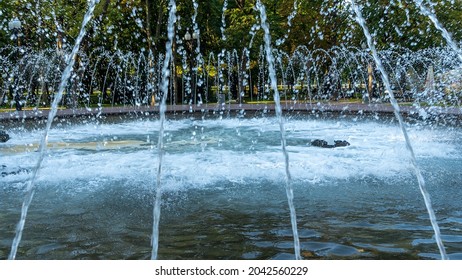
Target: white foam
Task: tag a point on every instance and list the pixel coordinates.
(198, 160)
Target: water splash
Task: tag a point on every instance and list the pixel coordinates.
(425, 11)
(31, 187)
(289, 24)
(426, 196)
(198, 78)
(277, 100)
(160, 144)
(223, 20)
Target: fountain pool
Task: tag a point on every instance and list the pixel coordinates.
(224, 194)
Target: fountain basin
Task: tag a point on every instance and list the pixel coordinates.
(224, 194)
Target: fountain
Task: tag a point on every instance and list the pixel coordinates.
(222, 195)
(220, 167)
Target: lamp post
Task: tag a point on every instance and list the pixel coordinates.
(15, 26)
(191, 40)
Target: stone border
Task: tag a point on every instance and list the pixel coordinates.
(341, 108)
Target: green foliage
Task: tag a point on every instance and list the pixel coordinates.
(140, 25)
(401, 23)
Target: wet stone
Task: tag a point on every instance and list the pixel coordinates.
(324, 144)
(4, 171)
(4, 136)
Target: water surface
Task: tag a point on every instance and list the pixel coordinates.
(224, 190)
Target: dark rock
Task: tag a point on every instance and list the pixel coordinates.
(341, 143)
(4, 136)
(4, 171)
(320, 143)
(323, 143)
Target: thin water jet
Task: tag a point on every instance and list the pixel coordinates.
(423, 189)
(444, 32)
(277, 100)
(31, 187)
(160, 143)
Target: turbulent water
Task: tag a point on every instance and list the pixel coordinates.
(223, 190)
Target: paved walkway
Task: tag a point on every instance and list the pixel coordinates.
(335, 107)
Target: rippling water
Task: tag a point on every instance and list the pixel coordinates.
(225, 196)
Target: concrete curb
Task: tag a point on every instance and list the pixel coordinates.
(341, 108)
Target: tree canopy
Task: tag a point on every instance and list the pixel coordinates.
(321, 48)
(140, 25)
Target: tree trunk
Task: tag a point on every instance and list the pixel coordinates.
(160, 17)
(148, 25)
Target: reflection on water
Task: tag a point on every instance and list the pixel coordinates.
(225, 194)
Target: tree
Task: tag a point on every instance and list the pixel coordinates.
(400, 23)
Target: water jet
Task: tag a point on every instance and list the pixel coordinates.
(220, 166)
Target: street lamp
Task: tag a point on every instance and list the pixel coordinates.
(191, 40)
(15, 26)
(188, 36)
